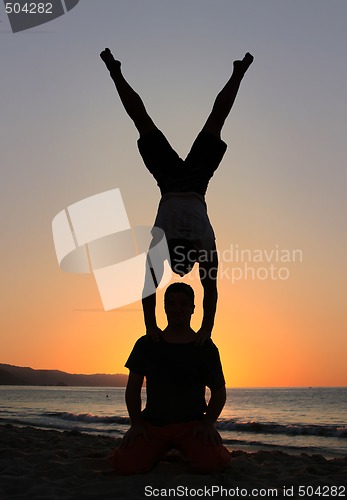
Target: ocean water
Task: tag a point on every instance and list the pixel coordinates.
(294, 420)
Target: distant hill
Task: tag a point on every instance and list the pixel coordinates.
(16, 375)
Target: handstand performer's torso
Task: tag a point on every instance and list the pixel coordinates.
(184, 216)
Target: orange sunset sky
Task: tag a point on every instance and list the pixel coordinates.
(277, 201)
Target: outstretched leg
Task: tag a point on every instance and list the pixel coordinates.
(131, 101)
(226, 97)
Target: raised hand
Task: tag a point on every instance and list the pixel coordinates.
(202, 335)
(154, 333)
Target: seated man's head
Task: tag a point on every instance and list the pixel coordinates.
(179, 304)
(183, 255)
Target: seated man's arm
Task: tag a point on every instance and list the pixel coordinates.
(133, 397)
(134, 404)
(208, 276)
(215, 405)
(214, 409)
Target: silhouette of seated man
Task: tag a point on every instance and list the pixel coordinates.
(177, 371)
(182, 211)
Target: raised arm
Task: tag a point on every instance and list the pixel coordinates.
(152, 280)
(208, 271)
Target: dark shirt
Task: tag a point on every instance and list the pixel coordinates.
(176, 378)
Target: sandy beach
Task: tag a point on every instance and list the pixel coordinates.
(46, 464)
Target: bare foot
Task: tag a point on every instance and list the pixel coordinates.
(109, 60)
(242, 66)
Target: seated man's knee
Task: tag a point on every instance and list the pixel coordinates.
(125, 462)
(215, 459)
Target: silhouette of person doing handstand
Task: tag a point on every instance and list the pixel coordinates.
(182, 211)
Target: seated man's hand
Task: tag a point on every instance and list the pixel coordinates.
(202, 335)
(208, 433)
(154, 333)
(134, 432)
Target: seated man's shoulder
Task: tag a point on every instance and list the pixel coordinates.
(141, 339)
(209, 347)
(144, 341)
(209, 344)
